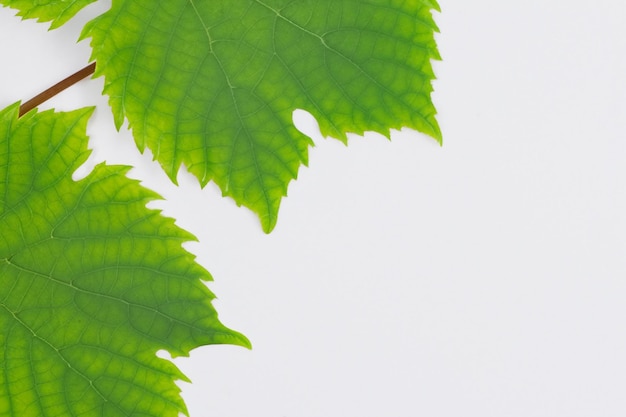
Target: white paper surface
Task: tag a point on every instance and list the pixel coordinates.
(483, 278)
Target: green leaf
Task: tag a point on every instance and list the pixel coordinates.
(93, 283)
(213, 84)
(56, 11)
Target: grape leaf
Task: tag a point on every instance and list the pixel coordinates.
(93, 282)
(57, 12)
(213, 84)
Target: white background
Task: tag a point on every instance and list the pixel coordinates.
(483, 278)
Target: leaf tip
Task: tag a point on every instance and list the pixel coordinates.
(242, 341)
(268, 226)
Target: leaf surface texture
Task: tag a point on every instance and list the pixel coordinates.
(93, 283)
(213, 84)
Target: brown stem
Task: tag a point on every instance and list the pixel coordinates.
(57, 88)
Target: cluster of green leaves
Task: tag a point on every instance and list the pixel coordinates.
(92, 283)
